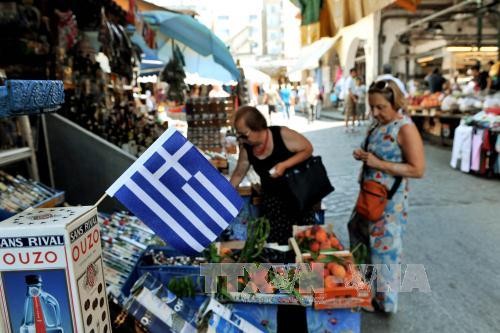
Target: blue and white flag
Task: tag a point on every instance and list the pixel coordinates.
(178, 194)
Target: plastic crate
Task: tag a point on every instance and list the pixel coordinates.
(164, 273)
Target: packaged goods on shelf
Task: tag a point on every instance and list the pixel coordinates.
(206, 117)
(124, 238)
(18, 193)
(170, 268)
(57, 252)
(163, 305)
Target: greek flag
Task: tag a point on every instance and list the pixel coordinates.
(178, 194)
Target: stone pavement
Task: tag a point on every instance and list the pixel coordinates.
(453, 230)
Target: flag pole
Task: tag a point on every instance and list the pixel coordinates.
(100, 200)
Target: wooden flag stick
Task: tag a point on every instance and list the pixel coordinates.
(100, 199)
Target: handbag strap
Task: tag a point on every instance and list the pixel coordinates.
(398, 179)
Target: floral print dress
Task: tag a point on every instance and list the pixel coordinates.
(386, 234)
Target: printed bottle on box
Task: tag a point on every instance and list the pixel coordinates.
(41, 310)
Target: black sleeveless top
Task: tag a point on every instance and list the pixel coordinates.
(279, 154)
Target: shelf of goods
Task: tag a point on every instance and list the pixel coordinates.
(206, 117)
(124, 239)
(436, 125)
(18, 193)
(21, 128)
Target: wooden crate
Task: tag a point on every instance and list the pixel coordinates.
(340, 296)
(304, 257)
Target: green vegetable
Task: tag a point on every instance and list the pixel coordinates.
(257, 233)
(361, 254)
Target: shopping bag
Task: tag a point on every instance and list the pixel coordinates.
(308, 182)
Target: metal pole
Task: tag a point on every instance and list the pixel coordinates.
(498, 34)
(479, 28)
(47, 150)
(438, 14)
(26, 130)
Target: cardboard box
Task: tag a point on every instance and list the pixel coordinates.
(51, 272)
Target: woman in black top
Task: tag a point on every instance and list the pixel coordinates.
(271, 151)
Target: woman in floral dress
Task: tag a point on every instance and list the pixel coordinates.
(395, 149)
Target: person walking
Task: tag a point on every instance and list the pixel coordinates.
(392, 152)
(285, 95)
(271, 151)
(272, 99)
(311, 93)
(360, 92)
(350, 99)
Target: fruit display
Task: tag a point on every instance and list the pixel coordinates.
(315, 239)
(431, 100)
(343, 283)
(343, 286)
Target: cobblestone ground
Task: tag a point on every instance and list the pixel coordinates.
(453, 230)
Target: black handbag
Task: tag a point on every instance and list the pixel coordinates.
(308, 182)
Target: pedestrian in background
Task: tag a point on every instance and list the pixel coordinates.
(311, 93)
(350, 99)
(285, 95)
(272, 99)
(435, 81)
(394, 149)
(360, 92)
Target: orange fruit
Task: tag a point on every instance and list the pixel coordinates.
(329, 266)
(325, 245)
(338, 271)
(334, 242)
(225, 251)
(315, 247)
(330, 282)
(307, 233)
(300, 234)
(321, 235)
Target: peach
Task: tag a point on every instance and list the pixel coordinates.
(315, 246)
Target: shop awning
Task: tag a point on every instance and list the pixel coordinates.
(150, 62)
(309, 55)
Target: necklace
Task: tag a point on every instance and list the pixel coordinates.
(258, 152)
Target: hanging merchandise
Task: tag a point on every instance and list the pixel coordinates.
(174, 75)
(116, 45)
(67, 29)
(20, 97)
(475, 144)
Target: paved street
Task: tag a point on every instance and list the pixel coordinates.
(453, 230)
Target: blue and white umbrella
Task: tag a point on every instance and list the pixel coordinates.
(204, 52)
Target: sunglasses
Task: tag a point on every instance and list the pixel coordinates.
(242, 136)
(382, 87)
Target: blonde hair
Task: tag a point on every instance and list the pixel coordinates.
(390, 92)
